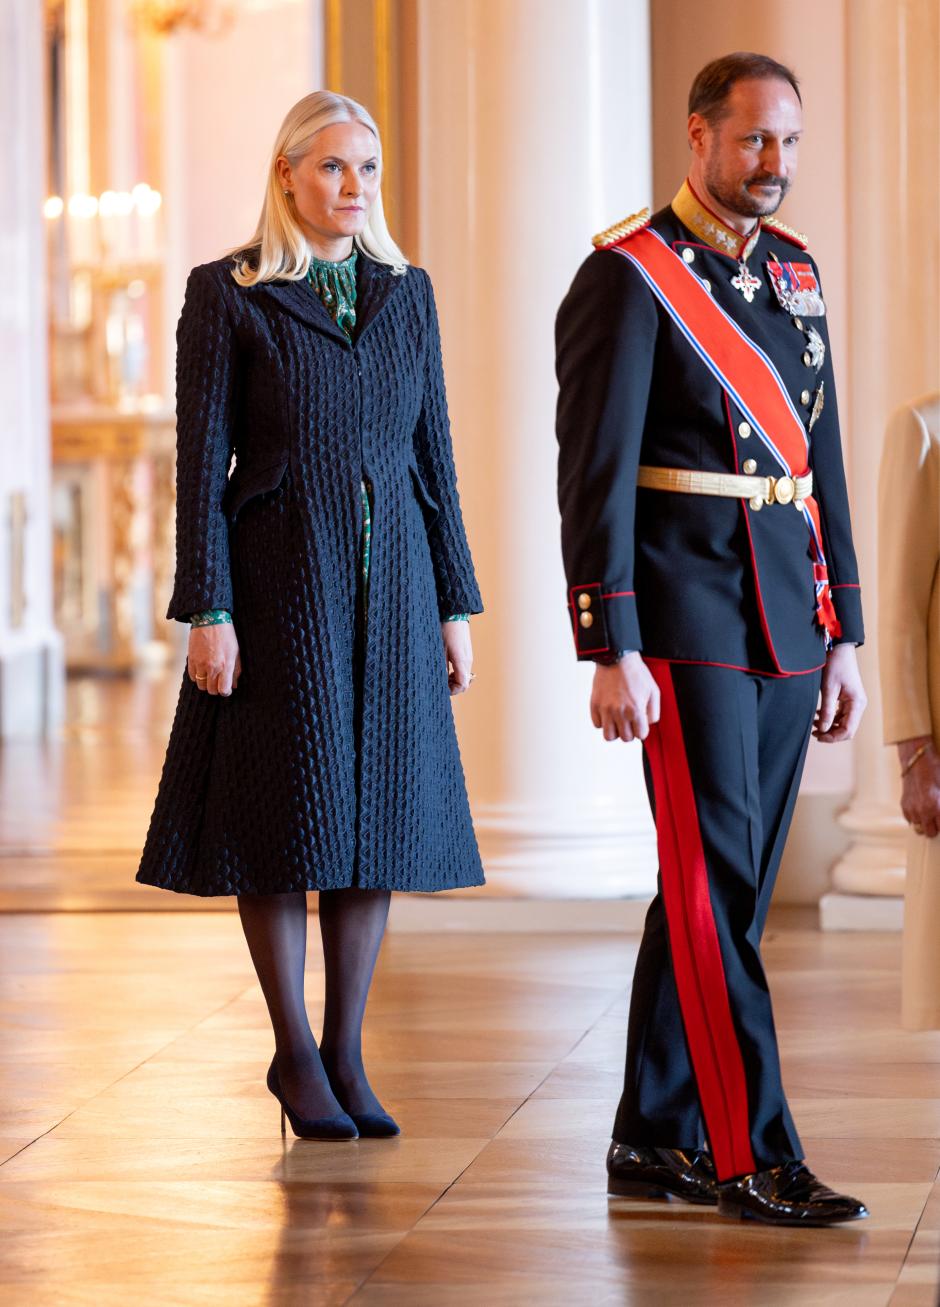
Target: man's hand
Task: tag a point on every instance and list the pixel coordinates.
(842, 698)
(920, 787)
(624, 699)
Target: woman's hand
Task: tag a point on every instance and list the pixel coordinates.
(920, 786)
(459, 654)
(624, 699)
(213, 660)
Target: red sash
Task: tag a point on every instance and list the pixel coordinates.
(742, 369)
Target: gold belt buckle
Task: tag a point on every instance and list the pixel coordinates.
(782, 490)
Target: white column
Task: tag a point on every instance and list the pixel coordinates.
(30, 656)
(893, 144)
(534, 124)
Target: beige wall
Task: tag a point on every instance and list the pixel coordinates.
(225, 98)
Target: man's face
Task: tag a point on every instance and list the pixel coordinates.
(749, 155)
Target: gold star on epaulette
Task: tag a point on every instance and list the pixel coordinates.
(789, 233)
(621, 230)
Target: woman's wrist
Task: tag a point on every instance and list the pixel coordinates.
(911, 751)
(210, 617)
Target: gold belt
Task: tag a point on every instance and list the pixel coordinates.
(759, 490)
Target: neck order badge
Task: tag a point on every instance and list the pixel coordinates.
(742, 369)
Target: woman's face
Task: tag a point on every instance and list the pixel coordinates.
(335, 184)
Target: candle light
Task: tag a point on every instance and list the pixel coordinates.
(82, 229)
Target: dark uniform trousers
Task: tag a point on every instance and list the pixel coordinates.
(723, 769)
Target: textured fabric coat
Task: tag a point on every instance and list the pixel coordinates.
(335, 761)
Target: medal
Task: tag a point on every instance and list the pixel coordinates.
(817, 405)
(815, 348)
(796, 288)
(746, 282)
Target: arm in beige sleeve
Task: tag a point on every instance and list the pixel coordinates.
(909, 531)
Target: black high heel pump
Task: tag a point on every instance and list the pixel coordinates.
(322, 1127)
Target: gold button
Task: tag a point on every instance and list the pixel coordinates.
(706, 283)
(750, 466)
(688, 255)
(807, 358)
(584, 601)
(805, 398)
(586, 620)
(798, 323)
(744, 430)
(757, 503)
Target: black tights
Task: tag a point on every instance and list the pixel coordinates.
(318, 1081)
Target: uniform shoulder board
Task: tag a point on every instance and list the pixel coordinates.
(604, 240)
(788, 233)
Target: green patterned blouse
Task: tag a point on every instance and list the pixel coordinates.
(335, 283)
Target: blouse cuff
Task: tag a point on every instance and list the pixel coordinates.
(211, 617)
(457, 617)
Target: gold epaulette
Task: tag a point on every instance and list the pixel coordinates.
(621, 230)
(788, 233)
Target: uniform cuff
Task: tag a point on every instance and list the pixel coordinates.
(847, 601)
(602, 620)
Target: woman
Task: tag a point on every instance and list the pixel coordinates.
(328, 582)
(909, 647)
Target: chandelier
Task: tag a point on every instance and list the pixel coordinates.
(164, 17)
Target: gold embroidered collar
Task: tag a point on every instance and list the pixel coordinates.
(690, 210)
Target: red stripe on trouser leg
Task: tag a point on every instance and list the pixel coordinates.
(693, 939)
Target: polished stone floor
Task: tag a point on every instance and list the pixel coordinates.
(142, 1159)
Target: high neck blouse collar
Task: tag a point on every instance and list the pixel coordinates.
(335, 284)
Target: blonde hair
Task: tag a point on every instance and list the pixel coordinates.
(278, 247)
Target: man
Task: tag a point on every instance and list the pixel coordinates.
(909, 642)
(706, 539)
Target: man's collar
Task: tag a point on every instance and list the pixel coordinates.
(690, 210)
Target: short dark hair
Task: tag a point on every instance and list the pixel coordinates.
(713, 84)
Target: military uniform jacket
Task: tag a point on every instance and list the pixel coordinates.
(694, 578)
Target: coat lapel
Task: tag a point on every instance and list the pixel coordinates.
(375, 285)
(301, 301)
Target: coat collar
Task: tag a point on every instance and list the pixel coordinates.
(375, 285)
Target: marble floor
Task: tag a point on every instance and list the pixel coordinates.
(142, 1160)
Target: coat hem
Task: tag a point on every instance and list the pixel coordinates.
(312, 888)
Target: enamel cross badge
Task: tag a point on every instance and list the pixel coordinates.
(746, 282)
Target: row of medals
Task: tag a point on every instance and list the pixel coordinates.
(815, 353)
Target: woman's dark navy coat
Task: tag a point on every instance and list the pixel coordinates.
(321, 770)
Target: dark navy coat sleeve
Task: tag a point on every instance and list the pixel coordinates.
(830, 492)
(205, 385)
(605, 337)
(436, 481)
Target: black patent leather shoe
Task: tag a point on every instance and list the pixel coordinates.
(786, 1195)
(661, 1173)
